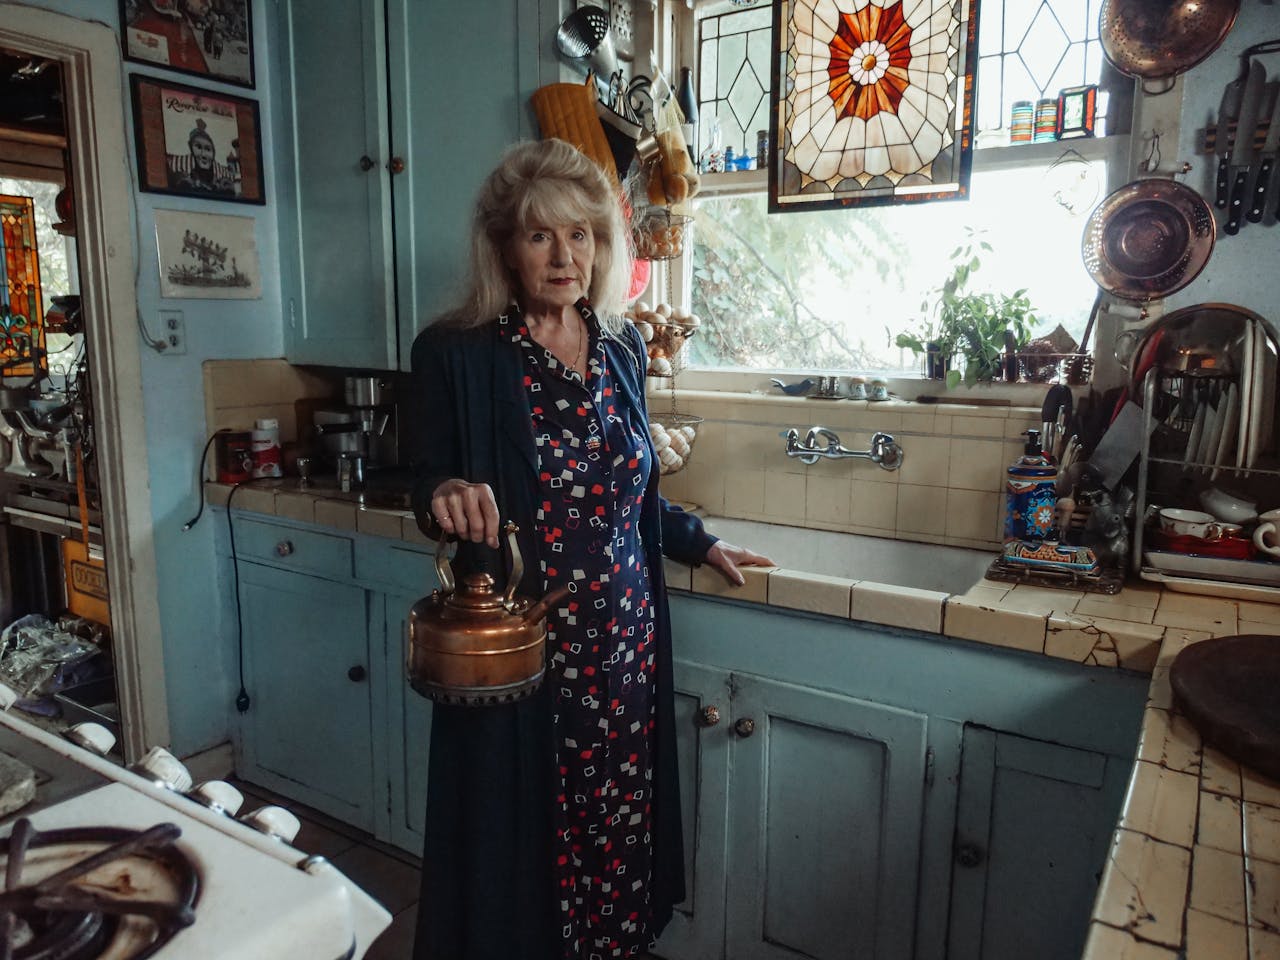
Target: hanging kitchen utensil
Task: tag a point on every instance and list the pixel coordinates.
(1148, 239)
(470, 645)
(1159, 39)
(583, 37)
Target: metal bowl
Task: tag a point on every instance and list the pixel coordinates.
(1154, 39)
(1148, 239)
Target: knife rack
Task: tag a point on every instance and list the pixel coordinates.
(1210, 141)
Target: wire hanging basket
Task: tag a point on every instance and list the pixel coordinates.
(673, 436)
(660, 234)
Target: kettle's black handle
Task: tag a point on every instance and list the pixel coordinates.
(444, 572)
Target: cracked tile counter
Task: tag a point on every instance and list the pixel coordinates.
(1194, 867)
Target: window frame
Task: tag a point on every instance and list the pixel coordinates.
(1153, 115)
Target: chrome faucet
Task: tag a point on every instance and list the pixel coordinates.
(884, 449)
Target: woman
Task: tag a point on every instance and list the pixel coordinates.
(553, 824)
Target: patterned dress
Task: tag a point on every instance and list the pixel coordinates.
(593, 469)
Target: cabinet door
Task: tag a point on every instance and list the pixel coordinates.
(461, 75)
(334, 185)
(306, 733)
(1032, 830)
(826, 803)
(409, 729)
(696, 931)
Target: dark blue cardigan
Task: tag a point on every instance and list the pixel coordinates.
(487, 887)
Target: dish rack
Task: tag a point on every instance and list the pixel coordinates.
(1207, 427)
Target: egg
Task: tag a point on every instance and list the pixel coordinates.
(669, 456)
(689, 433)
(664, 309)
(645, 329)
(678, 443)
(662, 442)
(660, 367)
(641, 308)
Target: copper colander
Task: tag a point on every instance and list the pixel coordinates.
(1148, 239)
(1155, 39)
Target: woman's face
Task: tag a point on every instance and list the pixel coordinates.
(553, 264)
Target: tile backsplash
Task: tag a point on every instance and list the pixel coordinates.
(950, 488)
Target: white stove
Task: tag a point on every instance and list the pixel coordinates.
(190, 881)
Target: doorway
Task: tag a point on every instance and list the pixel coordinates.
(87, 54)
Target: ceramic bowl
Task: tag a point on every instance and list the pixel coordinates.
(1227, 507)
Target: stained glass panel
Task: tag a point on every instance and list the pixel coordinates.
(873, 102)
(734, 52)
(21, 313)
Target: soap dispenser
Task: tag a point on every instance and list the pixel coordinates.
(1031, 491)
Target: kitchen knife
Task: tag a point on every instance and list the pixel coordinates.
(1228, 110)
(1242, 149)
(1267, 157)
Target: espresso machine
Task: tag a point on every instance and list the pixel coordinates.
(359, 437)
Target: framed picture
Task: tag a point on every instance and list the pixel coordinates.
(207, 256)
(206, 38)
(193, 143)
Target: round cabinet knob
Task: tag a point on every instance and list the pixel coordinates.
(93, 737)
(710, 716)
(745, 727)
(164, 770)
(396, 165)
(969, 855)
(284, 548)
(219, 796)
(357, 673)
(366, 163)
(274, 822)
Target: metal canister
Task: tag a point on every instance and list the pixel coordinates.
(1031, 493)
(1046, 126)
(1021, 121)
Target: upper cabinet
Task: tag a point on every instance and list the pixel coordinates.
(392, 112)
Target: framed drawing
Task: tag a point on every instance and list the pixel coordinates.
(205, 38)
(872, 102)
(207, 256)
(193, 143)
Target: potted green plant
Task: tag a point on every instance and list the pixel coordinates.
(982, 327)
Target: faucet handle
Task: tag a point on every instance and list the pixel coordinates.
(830, 436)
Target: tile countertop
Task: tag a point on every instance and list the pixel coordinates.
(1194, 869)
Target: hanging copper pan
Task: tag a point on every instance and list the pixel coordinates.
(1154, 39)
(1148, 239)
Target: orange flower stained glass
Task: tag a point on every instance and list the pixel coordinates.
(873, 102)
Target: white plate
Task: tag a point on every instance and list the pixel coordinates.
(1228, 433)
(1262, 572)
(1262, 360)
(1212, 429)
(1197, 422)
(1246, 393)
(1267, 391)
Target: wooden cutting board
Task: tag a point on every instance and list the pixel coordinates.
(1227, 686)
(17, 784)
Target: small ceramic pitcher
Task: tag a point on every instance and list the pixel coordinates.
(1266, 536)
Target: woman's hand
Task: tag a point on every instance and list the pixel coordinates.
(727, 558)
(467, 510)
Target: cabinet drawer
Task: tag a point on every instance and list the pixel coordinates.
(293, 548)
(398, 569)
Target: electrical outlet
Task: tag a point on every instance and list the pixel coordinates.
(173, 331)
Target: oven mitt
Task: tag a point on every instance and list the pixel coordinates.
(567, 111)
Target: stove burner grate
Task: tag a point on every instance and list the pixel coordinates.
(97, 891)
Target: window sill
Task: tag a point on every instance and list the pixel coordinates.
(1113, 149)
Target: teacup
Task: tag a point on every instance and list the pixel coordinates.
(1266, 536)
(857, 388)
(879, 390)
(1193, 523)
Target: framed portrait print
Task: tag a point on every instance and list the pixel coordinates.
(207, 256)
(194, 143)
(205, 38)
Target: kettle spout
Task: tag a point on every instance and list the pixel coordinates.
(539, 609)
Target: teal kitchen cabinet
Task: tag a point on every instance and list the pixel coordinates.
(409, 723)
(392, 112)
(1033, 826)
(307, 731)
(802, 813)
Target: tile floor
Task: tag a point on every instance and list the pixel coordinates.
(387, 873)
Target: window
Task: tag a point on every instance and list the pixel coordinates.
(828, 290)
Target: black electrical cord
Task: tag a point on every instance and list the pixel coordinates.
(242, 698)
(200, 479)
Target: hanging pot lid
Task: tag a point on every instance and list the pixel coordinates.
(1154, 39)
(1148, 239)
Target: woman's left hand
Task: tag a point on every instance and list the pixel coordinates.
(727, 558)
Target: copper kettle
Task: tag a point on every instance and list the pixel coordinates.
(470, 645)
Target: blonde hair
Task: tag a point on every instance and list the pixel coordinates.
(544, 183)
